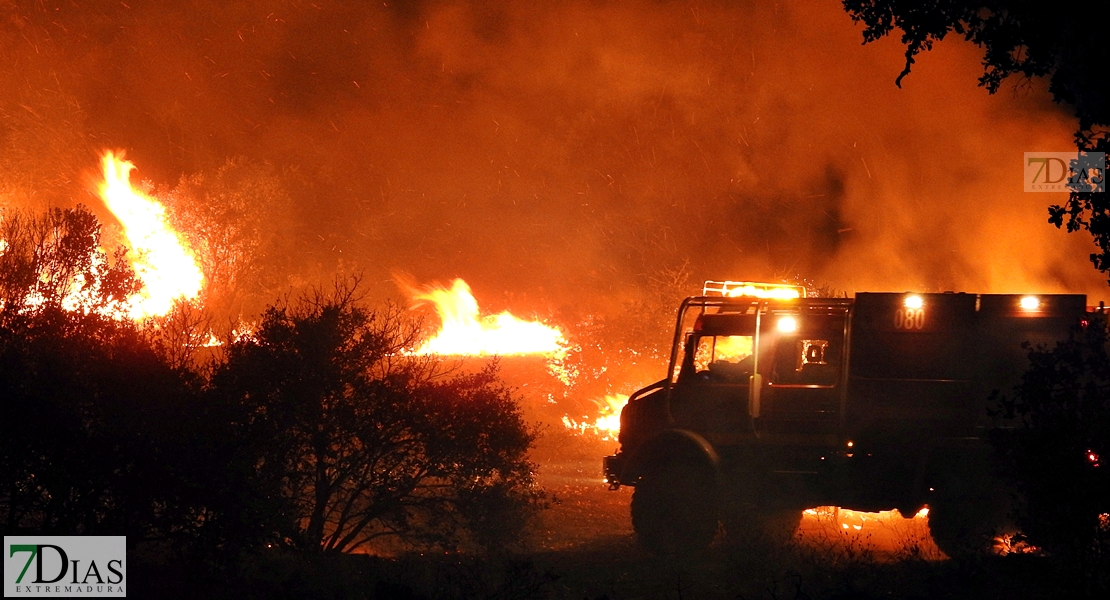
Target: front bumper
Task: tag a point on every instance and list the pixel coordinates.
(612, 467)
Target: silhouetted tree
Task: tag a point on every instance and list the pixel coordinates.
(349, 440)
(1059, 450)
(56, 261)
(92, 426)
(316, 431)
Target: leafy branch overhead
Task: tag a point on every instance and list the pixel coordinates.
(1062, 41)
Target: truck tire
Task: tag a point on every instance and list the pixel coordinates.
(674, 508)
(966, 513)
(961, 530)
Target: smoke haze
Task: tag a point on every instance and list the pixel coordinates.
(549, 152)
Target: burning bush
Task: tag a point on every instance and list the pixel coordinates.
(321, 430)
(358, 441)
(55, 261)
(91, 415)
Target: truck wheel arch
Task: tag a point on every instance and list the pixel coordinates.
(671, 445)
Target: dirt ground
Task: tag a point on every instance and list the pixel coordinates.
(584, 511)
(584, 548)
(587, 514)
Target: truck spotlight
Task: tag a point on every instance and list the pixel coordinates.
(1030, 303)
(914, 301)
(788, 325)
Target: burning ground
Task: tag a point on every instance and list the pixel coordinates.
(579, 163)
(584, 538)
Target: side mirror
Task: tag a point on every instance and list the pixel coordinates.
(755, 386)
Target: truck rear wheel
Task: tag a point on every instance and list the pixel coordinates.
(674, 508)
(962, 530)
(969, 506)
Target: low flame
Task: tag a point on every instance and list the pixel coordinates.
(857, 519)
(161, 259)
(465, 332)
(885, 533)
(607, 424)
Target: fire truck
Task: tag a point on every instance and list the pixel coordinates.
(774, 402)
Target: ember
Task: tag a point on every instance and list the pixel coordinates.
(1014, 544)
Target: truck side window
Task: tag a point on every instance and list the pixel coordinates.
(806, 361)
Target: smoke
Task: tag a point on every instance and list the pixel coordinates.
(555, 153)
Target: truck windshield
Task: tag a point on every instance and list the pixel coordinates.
(724, 357)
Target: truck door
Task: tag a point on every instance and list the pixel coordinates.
(711, 390)
(801, 359)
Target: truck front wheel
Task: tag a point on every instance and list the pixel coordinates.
(674, 508)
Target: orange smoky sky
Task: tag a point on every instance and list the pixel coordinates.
(553, 150)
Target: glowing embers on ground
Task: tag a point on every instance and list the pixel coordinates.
(1014, 543)
(160, 258)
(607, 423)
(885, 534)
(464, 331)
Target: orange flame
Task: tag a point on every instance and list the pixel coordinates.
(465, 332)
(161, 259)
(607, 424)
(884, 533)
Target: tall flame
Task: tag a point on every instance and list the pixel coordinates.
(465, 332)
(161, 259)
